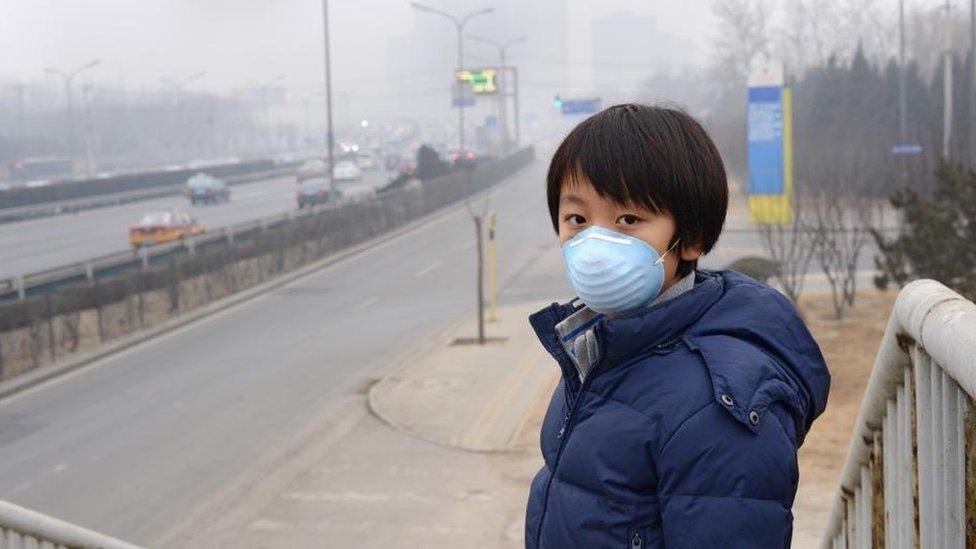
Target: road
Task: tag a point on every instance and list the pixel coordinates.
(133, 444)
(35, 245)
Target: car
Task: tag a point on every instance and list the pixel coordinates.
(313, 168)
(206, 189)
(165, 226)
(313, 191)
(367, 161)
(347, 170)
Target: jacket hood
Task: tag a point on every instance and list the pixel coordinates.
(756, 347)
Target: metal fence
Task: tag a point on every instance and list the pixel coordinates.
(23, 528)
(910, 475)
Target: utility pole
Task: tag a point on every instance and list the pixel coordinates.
(947, 84)
(68, 77)
(459, 24)
(902, 77)
(502, 82)
(330, 140)
(972, 81)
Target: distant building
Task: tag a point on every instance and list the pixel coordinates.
(628, 49)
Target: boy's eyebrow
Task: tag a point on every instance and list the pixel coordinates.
(572, 199)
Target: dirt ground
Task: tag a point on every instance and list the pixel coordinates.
(849, 346)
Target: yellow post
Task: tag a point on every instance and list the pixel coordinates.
(492, 268)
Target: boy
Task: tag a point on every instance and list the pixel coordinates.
(685, 394)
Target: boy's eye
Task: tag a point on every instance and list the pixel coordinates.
(575, 220)
(627, 220)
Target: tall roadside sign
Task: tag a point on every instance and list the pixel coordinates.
(770, 146)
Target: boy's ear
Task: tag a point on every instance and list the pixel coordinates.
(690, 253)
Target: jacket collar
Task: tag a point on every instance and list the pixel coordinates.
(628, 335)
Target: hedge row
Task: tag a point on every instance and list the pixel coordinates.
(330, 230)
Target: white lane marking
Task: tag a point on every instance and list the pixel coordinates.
(365, 304)
(427, 269)
(467, 245)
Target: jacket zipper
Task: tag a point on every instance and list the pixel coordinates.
(563, 435)
(636, 542)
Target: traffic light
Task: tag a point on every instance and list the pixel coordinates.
(557, 103)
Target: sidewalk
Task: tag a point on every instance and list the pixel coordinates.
(445, 460)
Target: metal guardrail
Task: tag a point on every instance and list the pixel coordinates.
(47, 209)
(22, 528)
(910, 475)
(107, 265)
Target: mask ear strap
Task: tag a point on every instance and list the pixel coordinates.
(665, 254)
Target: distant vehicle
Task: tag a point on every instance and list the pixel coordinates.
(173, 168)
(347, 170)
(367, 161)
(166, 226)
(40, 168)
(313, 191)
(283, 158)
(313, 168)
(206, 189)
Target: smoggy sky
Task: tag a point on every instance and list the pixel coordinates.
(240, 42)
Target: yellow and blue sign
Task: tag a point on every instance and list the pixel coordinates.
(770, 150)
(482, 81)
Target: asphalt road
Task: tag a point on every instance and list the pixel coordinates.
(133, 444)
(39, 244)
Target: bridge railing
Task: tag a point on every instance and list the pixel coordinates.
(22, 528)
(910, 475)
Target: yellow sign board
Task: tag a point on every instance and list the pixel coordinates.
(483, 81)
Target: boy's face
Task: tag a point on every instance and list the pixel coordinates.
(580, 207)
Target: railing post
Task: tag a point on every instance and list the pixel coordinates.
(877, 490)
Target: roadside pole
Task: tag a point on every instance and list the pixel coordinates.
(492, 271)
(481, 276)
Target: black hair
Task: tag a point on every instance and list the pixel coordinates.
(656, 157)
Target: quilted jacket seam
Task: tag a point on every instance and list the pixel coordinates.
(681, 425)
(582, 488)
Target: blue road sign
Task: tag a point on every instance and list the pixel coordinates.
(580, 106)
(906, 149)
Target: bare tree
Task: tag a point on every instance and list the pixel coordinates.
(790, 245)
(745, 35)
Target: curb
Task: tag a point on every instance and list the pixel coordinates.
(43, 374)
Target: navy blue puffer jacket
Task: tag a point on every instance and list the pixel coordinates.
(685, 431)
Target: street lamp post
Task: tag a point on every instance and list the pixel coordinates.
(502, 82)
(179, 83)
(330, 139)
(266, 99)
(68, 77)
(459, 24)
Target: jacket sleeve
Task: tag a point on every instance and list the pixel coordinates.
(723, 485)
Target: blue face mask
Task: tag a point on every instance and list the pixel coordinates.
(613, 272)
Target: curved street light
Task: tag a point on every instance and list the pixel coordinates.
(502, 48)
(68, 77)
(459, 23)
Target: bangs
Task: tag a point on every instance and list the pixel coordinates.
(656, 158)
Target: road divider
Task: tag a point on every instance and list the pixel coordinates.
(47, 318)
(10, 214)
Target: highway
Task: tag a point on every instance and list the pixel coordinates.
(131, 445)
(39, 244)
